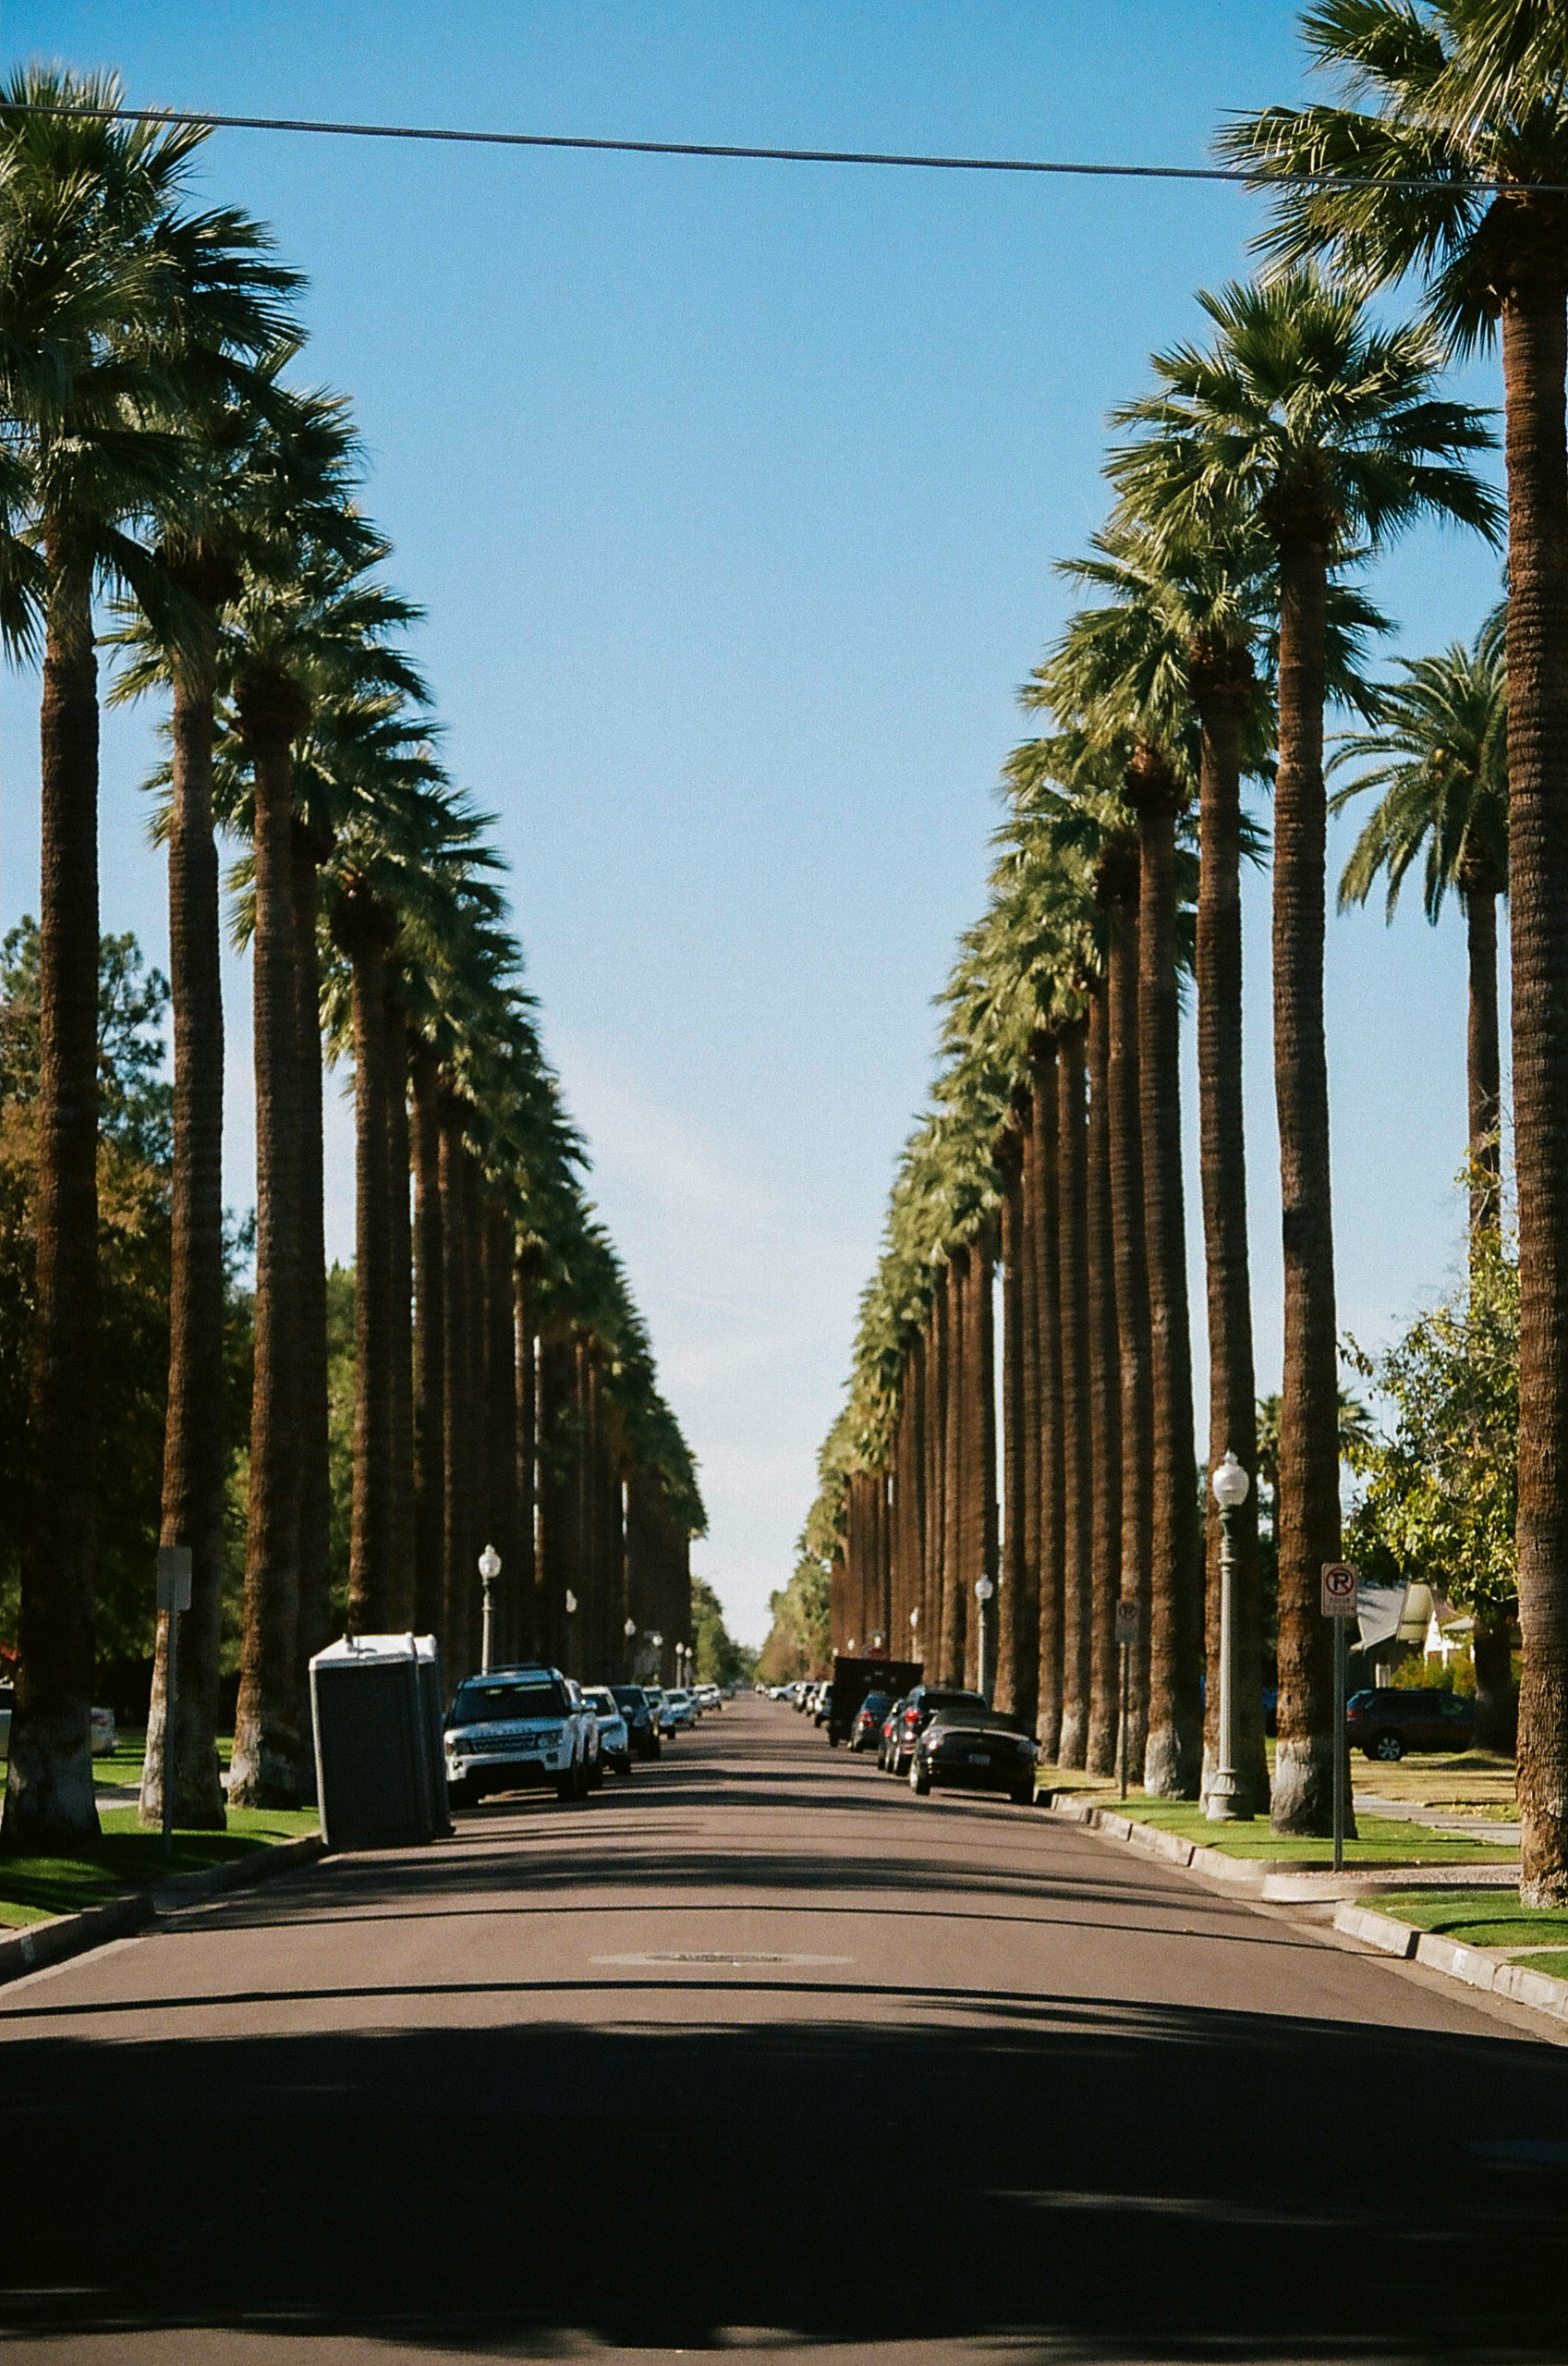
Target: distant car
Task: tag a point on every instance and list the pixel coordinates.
(869, 1719)
(886, 1735)
(642, 1721)
(517, 1728)
(8, 1703)
(1388, 1722)
(710, 1696)
(104, 1736)
(971, 1748)
(921, 1706)
(682, 1711)
(614, 1740)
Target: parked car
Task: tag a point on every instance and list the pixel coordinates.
(642, 1721)
(710, 1696)
(614, 1739)
(519, 1727)
(105, 1733)
(972, 1748)
(921, 1706)
(682, 1711)
(869, 1718)
(886, 1731)
(1388, 1722)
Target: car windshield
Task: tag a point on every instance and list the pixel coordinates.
(680, 1698)
(627, 1696)
(955, 1704)
(876, 1704)
(483, 1703)
(605, 1702)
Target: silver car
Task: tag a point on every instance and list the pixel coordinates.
(517, 1728)
(615, 1741)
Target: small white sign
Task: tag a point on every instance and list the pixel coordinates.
(174, 1576)
(1340, 1582)
(1126, 1622)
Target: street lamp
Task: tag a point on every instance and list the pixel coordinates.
(490, 1569)
(984, 1588)
(629, 1631)
(1228, 1803)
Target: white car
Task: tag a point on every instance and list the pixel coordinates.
(615, 1741)
(521, 1727)
(710, 1696)
(681, 1710)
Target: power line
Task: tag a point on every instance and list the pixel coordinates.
(1234, 175)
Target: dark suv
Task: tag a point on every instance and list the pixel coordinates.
(915, 1715)
(1387, 1723)
(643, 1725)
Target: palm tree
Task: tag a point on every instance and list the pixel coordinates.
(1307, 422)
(119, 309)
(1439, 754)
(1459, 96)
(1074, 1395)
(1103, 1357)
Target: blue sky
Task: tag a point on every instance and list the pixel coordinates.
(733, 492)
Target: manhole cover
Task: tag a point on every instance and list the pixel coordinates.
(724, 1956)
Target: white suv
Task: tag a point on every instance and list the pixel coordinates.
(520, 1727)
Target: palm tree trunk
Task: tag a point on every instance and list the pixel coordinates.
(49, 1802)
(265, 1770)
(525, 1640)
(400, 1316)
(1173, 1750)
(370, 1551)
(1074, 1390)
(1029, 1317)
(1045, 1243)
(1223, 693)
(1310, 1505)
(1483, 1064)
(317, 1623)
(501, 1416)
(1018, 1417)
(936, 1478)
(1124, 1113)
(556, 1370)
(980, 1443)
(195, 1449)
(457, 1402)
(430, 1354)
(950, 1655)
(1534, 357)
(1105, 1393)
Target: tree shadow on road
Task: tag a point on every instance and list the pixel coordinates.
(1103, 2182)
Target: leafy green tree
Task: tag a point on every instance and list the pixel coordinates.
(800, 1637)
(720, 1659)
(1439, 1489)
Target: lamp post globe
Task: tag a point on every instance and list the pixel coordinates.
(985, 1587)
(490, 1569)
(1228, 1803)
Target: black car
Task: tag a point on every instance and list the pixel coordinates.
(868, 1723)
(1387, 1723)
(919, 1709)
(642, 1725)
(974, 1749)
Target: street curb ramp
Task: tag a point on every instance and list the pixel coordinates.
(39, 1945)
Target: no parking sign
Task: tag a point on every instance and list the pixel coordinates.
(1340, 1581)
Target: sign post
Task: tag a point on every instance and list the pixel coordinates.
(174, 1595)
(1126, 1636)
(1340, 1582)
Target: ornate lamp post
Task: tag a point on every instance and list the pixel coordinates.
(629, 1631)
(1228, 1803)
(985, 1587)
(490, 1569)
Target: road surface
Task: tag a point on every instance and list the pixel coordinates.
(757, 2052)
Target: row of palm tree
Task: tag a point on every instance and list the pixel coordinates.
(164, 474)
(1251, 485)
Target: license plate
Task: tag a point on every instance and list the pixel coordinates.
(980, 1758)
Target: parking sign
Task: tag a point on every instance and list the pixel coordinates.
(1340, 1581)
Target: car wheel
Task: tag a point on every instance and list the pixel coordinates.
(566, 1786)
(1388, 1748)
(832, 1740)
(623, 1765)
(596, 1775)
(919, 1782)
(463, 1794)
(1023, 1794)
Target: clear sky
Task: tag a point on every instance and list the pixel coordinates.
(733, 492)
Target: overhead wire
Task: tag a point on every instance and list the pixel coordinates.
(1235, 177)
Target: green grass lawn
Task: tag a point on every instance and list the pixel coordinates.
(1383, 1839)
(1478, 1918)
(33, 1888)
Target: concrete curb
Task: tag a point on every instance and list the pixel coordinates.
(38, 1944)
(1276, 1881)
(1476, 1967)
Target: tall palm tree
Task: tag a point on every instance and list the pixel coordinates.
(1309, 422)
(105, 307)
(1074, 1395)
(1439, 754)
(1459, 95)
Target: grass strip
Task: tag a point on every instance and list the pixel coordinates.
(34, 1888)
(1476, 1918)
(1381, 1839)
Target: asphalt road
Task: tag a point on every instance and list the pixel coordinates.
(759, 2053)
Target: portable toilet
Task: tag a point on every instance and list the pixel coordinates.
(381, 1775)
